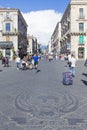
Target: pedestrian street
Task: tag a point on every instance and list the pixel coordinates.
(31, 100)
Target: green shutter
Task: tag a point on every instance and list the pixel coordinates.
(81, 39)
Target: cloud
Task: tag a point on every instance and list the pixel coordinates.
(42, 23)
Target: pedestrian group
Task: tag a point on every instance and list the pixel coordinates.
(28, 62)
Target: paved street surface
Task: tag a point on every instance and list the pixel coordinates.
(39, 101)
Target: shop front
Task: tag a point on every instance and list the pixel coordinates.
(6, 49)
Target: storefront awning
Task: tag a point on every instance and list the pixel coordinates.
(5, 45)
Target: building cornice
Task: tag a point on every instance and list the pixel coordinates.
(78, 2)
(13, 10)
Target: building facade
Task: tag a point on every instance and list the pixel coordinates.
(13, 32)
(73, 30)
(32, 45)
(55, 39)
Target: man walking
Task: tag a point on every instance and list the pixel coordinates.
(73, 65)
(35, 58)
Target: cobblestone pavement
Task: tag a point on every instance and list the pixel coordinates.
(31, 100)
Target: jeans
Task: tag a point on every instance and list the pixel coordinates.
(18, 65)
(72, 70)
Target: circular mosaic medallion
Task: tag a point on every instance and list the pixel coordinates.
(46, 106)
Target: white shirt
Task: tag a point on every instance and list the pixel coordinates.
(73, 62)
(18, 59)
(69, 57)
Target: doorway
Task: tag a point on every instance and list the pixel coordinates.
(8, 53)
(81, 52)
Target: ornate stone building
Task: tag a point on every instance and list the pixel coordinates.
(32, 45)
(74, 29)
(13, 32)
(55, 39)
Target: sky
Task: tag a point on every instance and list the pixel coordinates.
(41, 15)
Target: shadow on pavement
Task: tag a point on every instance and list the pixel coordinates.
(76, 121)
(85, 82)
(38, 71)
(84, 74)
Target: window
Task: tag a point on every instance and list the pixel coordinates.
(7, 26)
(7, 15)
(81, 39)
(81, 13)
(81, 26)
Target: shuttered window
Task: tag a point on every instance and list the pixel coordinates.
(81, 39)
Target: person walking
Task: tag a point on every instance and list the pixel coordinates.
(3, 61)
(35, 58)
(69, 57)
(69, 61)
(73, 65)
(56, 57)
(17, 62)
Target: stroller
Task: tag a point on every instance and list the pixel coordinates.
(23, 65)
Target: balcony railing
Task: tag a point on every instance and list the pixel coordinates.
(81, 17)
(9, 33)
(68, 19)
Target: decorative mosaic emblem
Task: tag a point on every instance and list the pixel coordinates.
(46, 106)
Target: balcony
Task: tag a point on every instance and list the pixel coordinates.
(65, 24)
(63, 27)
(68, 19)
(5, 44)
(78, 33)
(81, 17)
(4, 33)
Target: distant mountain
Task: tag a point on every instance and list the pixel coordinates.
(43, 47)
